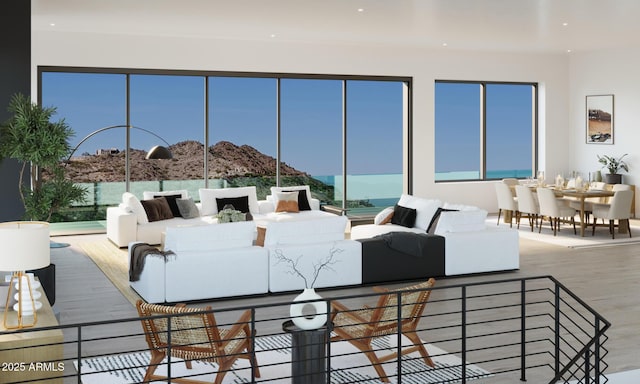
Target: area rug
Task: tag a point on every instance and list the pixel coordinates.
(348, 365)
(114, 263)
(566, 238)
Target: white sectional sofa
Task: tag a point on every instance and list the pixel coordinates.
(128, 222)
(210, 261)
(308, 244)
(471, 246)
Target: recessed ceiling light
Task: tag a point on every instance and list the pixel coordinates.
(565, 24)
(52, 24)
(360, 9)
(568, 51)
(272, 35)
(444, 44)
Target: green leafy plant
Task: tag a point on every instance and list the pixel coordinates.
(613, 164)
(41, 145)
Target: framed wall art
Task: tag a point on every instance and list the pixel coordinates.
(600, 119)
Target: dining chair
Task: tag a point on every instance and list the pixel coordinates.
(527, 205)
(510, 181)
(554, 210)
(361, 327)
(506, 202)
(192, 334)
(619, 209)
(588, 202)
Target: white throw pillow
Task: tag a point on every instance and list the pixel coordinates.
(460, 207)
(133, 205)
(383, 216)
(210, 206)
(425, 208)
(461, 221)
(275, 190)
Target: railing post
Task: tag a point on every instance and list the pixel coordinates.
(254, 360)
(464, 334)
(169, 318)
(399, 358)
(523, 331)
(328, 341)
(597, 351)
(557, 330)
(587, 366)
(79, 354)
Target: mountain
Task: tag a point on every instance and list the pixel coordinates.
(225, 160)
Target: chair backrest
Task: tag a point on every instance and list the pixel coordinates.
(510, 181)
(192, 329)
(620, 187)
(526, 201)
(621, 205)
(505, 197)
(413, 303)
(548, 202)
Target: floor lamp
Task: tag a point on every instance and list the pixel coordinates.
(25, 246)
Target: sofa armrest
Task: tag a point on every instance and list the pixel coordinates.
(122, 226)
(265, 206)
(314, 204)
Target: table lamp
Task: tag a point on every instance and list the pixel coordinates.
(25, 245)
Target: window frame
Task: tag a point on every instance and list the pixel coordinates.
(407, 80)
(483, 127)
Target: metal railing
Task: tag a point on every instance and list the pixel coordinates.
(531, 329)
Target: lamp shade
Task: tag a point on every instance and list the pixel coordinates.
(24, 245)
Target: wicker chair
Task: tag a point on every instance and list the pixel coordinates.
(194, 336)
(360, 327)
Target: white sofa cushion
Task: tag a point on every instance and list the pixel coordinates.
(305, 231)
(461, 221)
(210, 237)
(210, 206)
(130, 203)
(425, 208)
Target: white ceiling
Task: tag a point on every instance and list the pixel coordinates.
(487, 25)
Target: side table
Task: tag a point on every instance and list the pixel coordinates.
(33, 355)
(308, 354)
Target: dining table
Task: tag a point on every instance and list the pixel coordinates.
(582, 195)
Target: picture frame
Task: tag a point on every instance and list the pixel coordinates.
(599, 118)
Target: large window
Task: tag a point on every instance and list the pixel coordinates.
(242, 120)
(484, 131)
(266, 130)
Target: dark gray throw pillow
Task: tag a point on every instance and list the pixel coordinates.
(171, 199)
(188, 209)
(157, 209)
(404, 216)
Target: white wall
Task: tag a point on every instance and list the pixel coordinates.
(550, 71)
(607, 72)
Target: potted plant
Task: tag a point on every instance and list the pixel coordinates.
(41, 145)
(613, 165)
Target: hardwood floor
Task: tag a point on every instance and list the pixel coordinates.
(606, 278)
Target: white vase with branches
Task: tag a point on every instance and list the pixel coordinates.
(308, 297)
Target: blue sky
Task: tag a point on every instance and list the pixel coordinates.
(243, 111)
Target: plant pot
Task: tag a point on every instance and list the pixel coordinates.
(613, 178)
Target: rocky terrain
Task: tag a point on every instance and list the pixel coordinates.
(226, 160)
(237, 165)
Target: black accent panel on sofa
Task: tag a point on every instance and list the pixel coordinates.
(47, 277)
(382, 264)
